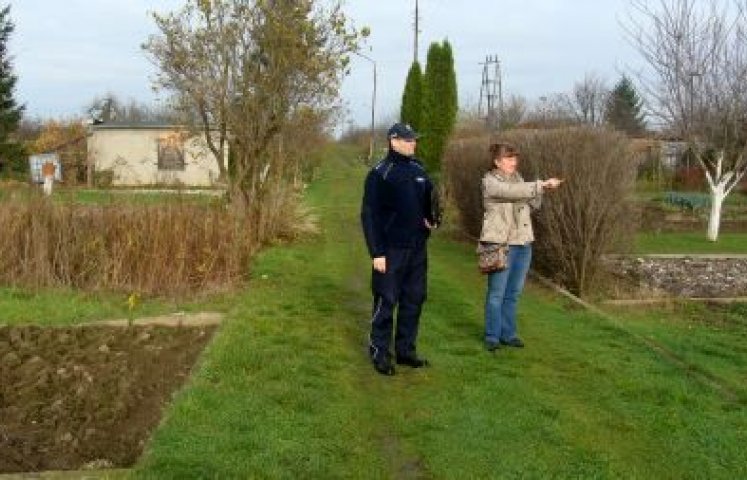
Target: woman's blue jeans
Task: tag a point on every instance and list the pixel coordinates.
(504, 289)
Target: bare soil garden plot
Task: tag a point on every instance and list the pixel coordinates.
(87, 397)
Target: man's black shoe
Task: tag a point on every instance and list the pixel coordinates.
(514, 342)
(383, 365)
(492, 346)
(412, 361)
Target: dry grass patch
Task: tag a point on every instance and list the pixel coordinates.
(166, 249)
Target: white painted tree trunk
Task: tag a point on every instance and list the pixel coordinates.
(718, 194)
(721, 183)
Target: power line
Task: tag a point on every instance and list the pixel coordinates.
(491, 93)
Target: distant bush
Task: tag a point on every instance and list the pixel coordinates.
(590, 215)
(689, 178)
(361, 138)
(166, 249)
(103, 178)
(66, 138)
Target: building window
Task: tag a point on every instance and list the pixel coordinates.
(170, 153)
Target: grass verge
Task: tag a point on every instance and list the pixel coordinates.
(690, 243)
(286, 391)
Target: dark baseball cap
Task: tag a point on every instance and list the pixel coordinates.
(403, 131)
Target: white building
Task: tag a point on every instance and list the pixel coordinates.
(152, 155)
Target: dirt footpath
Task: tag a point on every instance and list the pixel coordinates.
(87, 397)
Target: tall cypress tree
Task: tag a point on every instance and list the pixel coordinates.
(440, 105)
(431, 104)
(624, 108)
(11, 153)
(451, 103)
(412, 98)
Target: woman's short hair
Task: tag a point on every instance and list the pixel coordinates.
(500, 150)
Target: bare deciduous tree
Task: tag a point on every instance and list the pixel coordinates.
(588, 100)
(111, 108)
(514, 111)
(585, 104)
(550, 111)
(247, 69)
(696, 51)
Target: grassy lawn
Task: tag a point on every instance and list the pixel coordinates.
(690, 242)
(61, 307)
(712, 339)
(285, 389)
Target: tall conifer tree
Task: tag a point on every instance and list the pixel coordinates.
(11, 153)
(412, 98)
(624, 108)
(440, 105)
(451, 103)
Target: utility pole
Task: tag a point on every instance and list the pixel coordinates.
(491, 93)
(371, 144)
(691, 93)
(691, 114)
(417, 29)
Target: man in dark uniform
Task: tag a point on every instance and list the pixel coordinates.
(397, 218)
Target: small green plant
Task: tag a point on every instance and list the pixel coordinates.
(693, 202)
(104, 178)
(132, 303)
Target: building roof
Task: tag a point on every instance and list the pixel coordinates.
(138, 126)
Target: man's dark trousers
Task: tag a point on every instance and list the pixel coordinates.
(403, 286)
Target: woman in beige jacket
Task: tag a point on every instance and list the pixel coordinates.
(508, 201)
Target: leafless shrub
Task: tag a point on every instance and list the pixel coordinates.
(465, 162)
(590, 215)
(588, 100)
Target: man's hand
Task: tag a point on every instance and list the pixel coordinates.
(428, 224)
(552, 183)
(379, 264)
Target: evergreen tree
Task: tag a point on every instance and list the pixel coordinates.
(451, 103)
(624, 108)
(440, 105)
(11, 153)
(412, 98)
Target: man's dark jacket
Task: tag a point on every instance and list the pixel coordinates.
(396, 201)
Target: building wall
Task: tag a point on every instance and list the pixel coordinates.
(132, 157)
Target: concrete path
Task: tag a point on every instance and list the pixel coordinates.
(181, 319)
(71, 475)
(696, 256)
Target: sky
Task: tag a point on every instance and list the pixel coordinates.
(67, 53)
